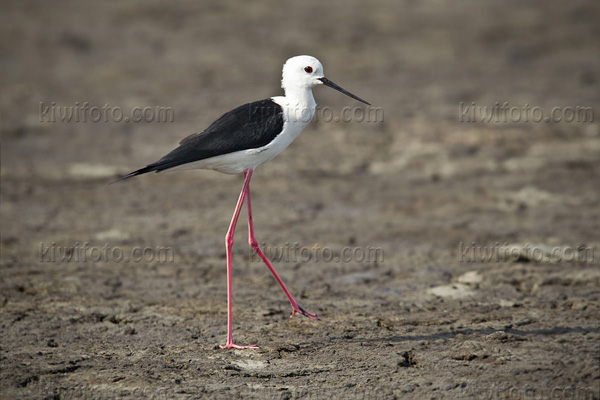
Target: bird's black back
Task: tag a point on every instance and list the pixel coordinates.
(250, 126)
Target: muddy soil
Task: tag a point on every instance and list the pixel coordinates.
(447, 254)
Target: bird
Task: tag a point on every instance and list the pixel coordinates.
(244, 138)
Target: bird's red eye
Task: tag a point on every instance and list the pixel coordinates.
(308, 70)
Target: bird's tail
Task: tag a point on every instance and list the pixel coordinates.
(145, 170)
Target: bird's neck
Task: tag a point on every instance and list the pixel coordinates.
(300, 103)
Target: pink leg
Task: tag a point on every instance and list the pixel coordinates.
(228, 245)
(254, 244)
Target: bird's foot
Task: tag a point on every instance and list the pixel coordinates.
(302, 311)
(237, 347)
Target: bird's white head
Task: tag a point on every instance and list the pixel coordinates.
(302, 73)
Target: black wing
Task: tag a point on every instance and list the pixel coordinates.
(250, 126)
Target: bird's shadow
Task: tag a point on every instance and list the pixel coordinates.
(559, 330)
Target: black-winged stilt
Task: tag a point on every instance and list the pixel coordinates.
(246, 137)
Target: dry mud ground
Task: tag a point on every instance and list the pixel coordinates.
(430, 316)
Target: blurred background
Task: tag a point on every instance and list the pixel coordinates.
(430, 174)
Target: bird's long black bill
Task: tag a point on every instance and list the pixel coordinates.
(332, 85)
